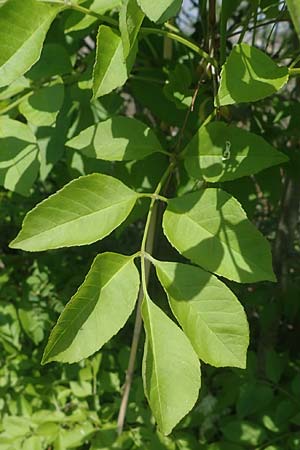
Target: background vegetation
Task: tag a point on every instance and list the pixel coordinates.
(61, 406)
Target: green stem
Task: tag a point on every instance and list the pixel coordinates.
(182, 40)
(293, 72)
(147, 245)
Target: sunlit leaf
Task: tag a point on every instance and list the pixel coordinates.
(84, 211)
(97, 311)
(220, 152)
(294, 9)
(209, 313)
(211, 229)
(23, 27)
(171, 370)
(116, 139)
(111, 68)
(130, 20)
(249, 75)
(160, 11)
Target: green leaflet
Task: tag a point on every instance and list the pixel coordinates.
(171, 370)
(98, 310)
(19, 164)
(54, 61)
(116, 139)
(130, 21)
(249, 75)
(294, 10)
(42, 107)
(84, 211)
(219, 152)
(211, 316)
(111, 68)
(160, 11)
(211, 229)
(23, 27)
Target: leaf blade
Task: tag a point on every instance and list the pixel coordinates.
(163, 364)
(249, 75)
(160, 11)
(211, 229)
(81, 214)
(98, 310)
(116, 139)
(21, 40)
(247, 153)
(205, 308)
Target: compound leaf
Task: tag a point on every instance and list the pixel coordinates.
(171, 369)
(98, 310)
(85, 210)
(209, 313)
(211, 229)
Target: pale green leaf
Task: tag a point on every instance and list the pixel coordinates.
(116, 139)
(160, 11)
(23, 27)
(19, 164)
(171, 370)
(294, 10)
(210, 315)
(249, 75)
(98, 310)
(111, 68)
(211, 229)
(130, 21)
(220, 152)
(84, 211)
(42, 106)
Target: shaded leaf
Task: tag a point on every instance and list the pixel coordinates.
(84, 211)
(209, 313)
(211, 229)
(19, 164)
(54, 60)
(249, 75)
(23, 27)
(160, 11)
(171, 370)
(98, 310)
(219, 152)
(42, 107)
(116, 139)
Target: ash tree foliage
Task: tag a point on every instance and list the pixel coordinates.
(160, 148)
